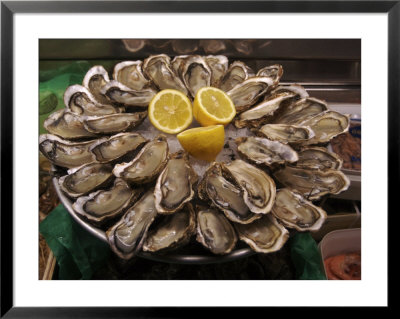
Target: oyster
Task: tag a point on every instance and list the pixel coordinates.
(130, 74)
(103, 205)
(174, 187)
(212, 46)
(223, 190)
(264, 151)
(318, 158)
(214, 231)
(236, 74)
(172, 232)
(245, 94)
(79, 100)
(312, 184)
(265, 235)
(122, 95)
(258, 188)
(126, 237)
(263, 111)
(300, 111)
(286, 133)
(195, 73)
(274, 71)
(158, 69)
(146, 166)
(176, 63)
(219, 66)
(297, 89)
(94, 81)
(113, 148)
(65, 153)
(294, 211)
(327, 125)
(113, 123)
(85, 179)
(66, 125)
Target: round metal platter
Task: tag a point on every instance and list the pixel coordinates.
(168, 258)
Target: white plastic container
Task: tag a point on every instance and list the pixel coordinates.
(340, 242)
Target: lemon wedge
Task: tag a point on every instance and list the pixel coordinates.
(170, 111)
(203, 142)
(213, 106)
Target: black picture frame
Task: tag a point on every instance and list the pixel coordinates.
(9, 8)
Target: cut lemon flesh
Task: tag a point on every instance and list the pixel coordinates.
(203, 143)
(170, 111)
(213, 106)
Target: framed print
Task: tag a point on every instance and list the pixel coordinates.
(239, 122)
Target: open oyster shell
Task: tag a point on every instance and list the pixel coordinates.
(221, 188)
(261, 150)
(265, 235)
(113, 148)
(214, 231)
(296, 89)
(219, 66)
(103, 205)
(113, 123)
(85, 179)
(175, 184)
(79, 100)
(65, 153)
(195, 73)
(318, 158)
(126, 237)
(286, 133)
(274, 72)
(147, 164)
(158, 68)
(311, 183)
(130, 74)
(237, 72)
(172, 232)
(258, 188)
(123, 95)
(66, 125)
(294, 211)
(94, 81)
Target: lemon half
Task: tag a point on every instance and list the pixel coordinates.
(170, 111)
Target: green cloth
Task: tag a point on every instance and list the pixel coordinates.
(79, 254)
(306, 257)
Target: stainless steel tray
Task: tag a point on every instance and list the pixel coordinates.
(168, 258)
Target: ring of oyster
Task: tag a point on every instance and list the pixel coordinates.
(148, 195)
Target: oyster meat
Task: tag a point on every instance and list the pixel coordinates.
(297, 89)
(312, 184)
(245, 94)
(85, 179)
(236, 74)
(172, 232)
(259, 188)
(94, 81)
(219, 66)
(263, 111)
(195, 73)
(174, 187)
(274, 72)
(126, 237)
(214, 231)
(327, 125)
(265, 235)
(261, 150)
(122, 95)
(66, 125)
(318, 158)
(158, 69)
(79, 100)
(147, 164)
(286, 133)
(223, 190)
(113, 123)
(130, 74)
(294, 211)
(103, 205)
(113, 148)
(65, 153)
